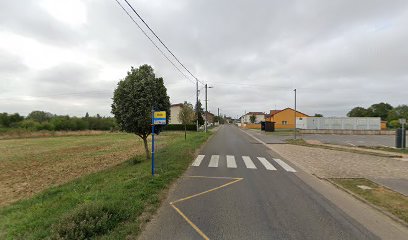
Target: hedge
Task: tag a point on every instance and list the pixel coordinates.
(180, 127)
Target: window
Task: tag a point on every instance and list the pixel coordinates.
(284, 122)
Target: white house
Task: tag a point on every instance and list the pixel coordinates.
(260, 117)
(174, 113)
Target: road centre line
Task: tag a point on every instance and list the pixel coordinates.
(198, 230)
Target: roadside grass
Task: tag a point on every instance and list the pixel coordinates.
(393, 202)
(13, 133)
(302, 142)
(31, 165)
(110, 204)
(387, 149)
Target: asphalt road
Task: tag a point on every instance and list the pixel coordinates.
(239, 198)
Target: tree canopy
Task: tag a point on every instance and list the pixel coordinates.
(186, 116)
(252, 118)
(199, 113)
(134, 99)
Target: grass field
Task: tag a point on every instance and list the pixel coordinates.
(393, 202)
(109, 204)
(28, 166)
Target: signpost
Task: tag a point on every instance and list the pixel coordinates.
(158, 118)
(403, 121)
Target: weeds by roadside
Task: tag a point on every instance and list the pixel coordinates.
(392, 202)
(107, 204)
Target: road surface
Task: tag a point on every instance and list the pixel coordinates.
(238, 189)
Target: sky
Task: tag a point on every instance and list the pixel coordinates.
(67, 56)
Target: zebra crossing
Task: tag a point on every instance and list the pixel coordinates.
(231, 162)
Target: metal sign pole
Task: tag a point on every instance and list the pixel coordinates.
(152, 143)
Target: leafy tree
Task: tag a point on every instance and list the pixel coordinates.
(10, 120)
(40, 116)
(219, 119)
(200, 113)
(380, 110)
(394, 124)
(318, 115)
(359, 112)
(186, 116)
(252, 118)
(87, 115)
(398, 112)
(135, 97)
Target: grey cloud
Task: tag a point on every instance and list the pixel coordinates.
(30, 20)
(338, 54)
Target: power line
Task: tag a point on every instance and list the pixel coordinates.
(141, 29)
(151, 30)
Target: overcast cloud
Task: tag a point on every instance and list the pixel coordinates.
(66, 56)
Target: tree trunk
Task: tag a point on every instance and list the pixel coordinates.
(185, 132)
(146, 147)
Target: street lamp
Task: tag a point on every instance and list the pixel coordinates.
(206, 100)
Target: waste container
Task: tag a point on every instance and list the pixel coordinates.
(262, 126)
(269, 126)
(400, 138)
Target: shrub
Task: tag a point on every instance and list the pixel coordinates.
(88, 221)
(179, 127)
(28, 124)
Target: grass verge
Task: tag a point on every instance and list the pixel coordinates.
(387, 149)
(388, 200)
(106, 205)
(302, 142)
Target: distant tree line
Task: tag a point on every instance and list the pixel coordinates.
(40, 120)
(383, 110)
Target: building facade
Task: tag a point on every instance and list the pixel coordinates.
(174, 113)
(340, 123)
(285, 119)
(259, 117)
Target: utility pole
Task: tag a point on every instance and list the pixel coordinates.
(197, 102)
(205, 114)
(294, 129)
(219, 116)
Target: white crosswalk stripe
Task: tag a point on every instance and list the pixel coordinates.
(231, 162)
(198, 160)
(266, 164)
(214, 161)
(284, 165)
(248, 162)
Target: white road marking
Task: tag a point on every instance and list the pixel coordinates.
(198, 160)
(231, 162)
(267, 164)
(284, 165)
(248, 162)
(214, 161)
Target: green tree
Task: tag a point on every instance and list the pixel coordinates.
(252, 118)
(199, 113)
(186, 116)
(318, 115)
(359, 112)
(135, 97)
(40, 116)
(398, 112)
(380, 110)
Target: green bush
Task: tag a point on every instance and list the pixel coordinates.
(88, 221)
(28, 124)
(180, 127)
